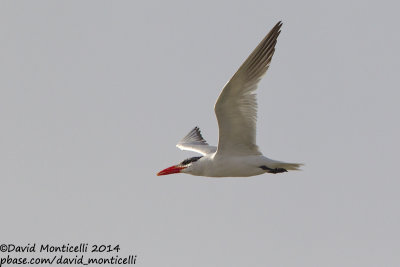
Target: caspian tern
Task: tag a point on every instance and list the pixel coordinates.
(237, 154)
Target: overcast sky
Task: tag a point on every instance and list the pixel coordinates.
(94, 95)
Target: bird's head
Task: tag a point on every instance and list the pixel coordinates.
(185, 166)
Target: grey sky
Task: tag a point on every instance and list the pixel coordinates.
(94, 96)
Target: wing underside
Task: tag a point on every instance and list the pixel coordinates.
(236, 107)
(194, 141)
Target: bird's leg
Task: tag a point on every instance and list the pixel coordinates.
(274, 171)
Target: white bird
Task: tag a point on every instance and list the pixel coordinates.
(237, 154)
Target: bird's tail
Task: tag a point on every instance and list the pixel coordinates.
(286, 165)
(291, 166)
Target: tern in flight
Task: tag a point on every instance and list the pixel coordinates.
(237, 154)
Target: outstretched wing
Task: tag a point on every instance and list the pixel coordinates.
(236, 107)
(193, 141)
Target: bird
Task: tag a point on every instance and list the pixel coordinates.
(237, 154)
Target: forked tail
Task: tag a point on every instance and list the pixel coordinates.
(282, 166)
(290, 166)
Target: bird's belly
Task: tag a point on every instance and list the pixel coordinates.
(233, 168)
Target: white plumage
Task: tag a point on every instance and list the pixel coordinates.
(237, 154)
